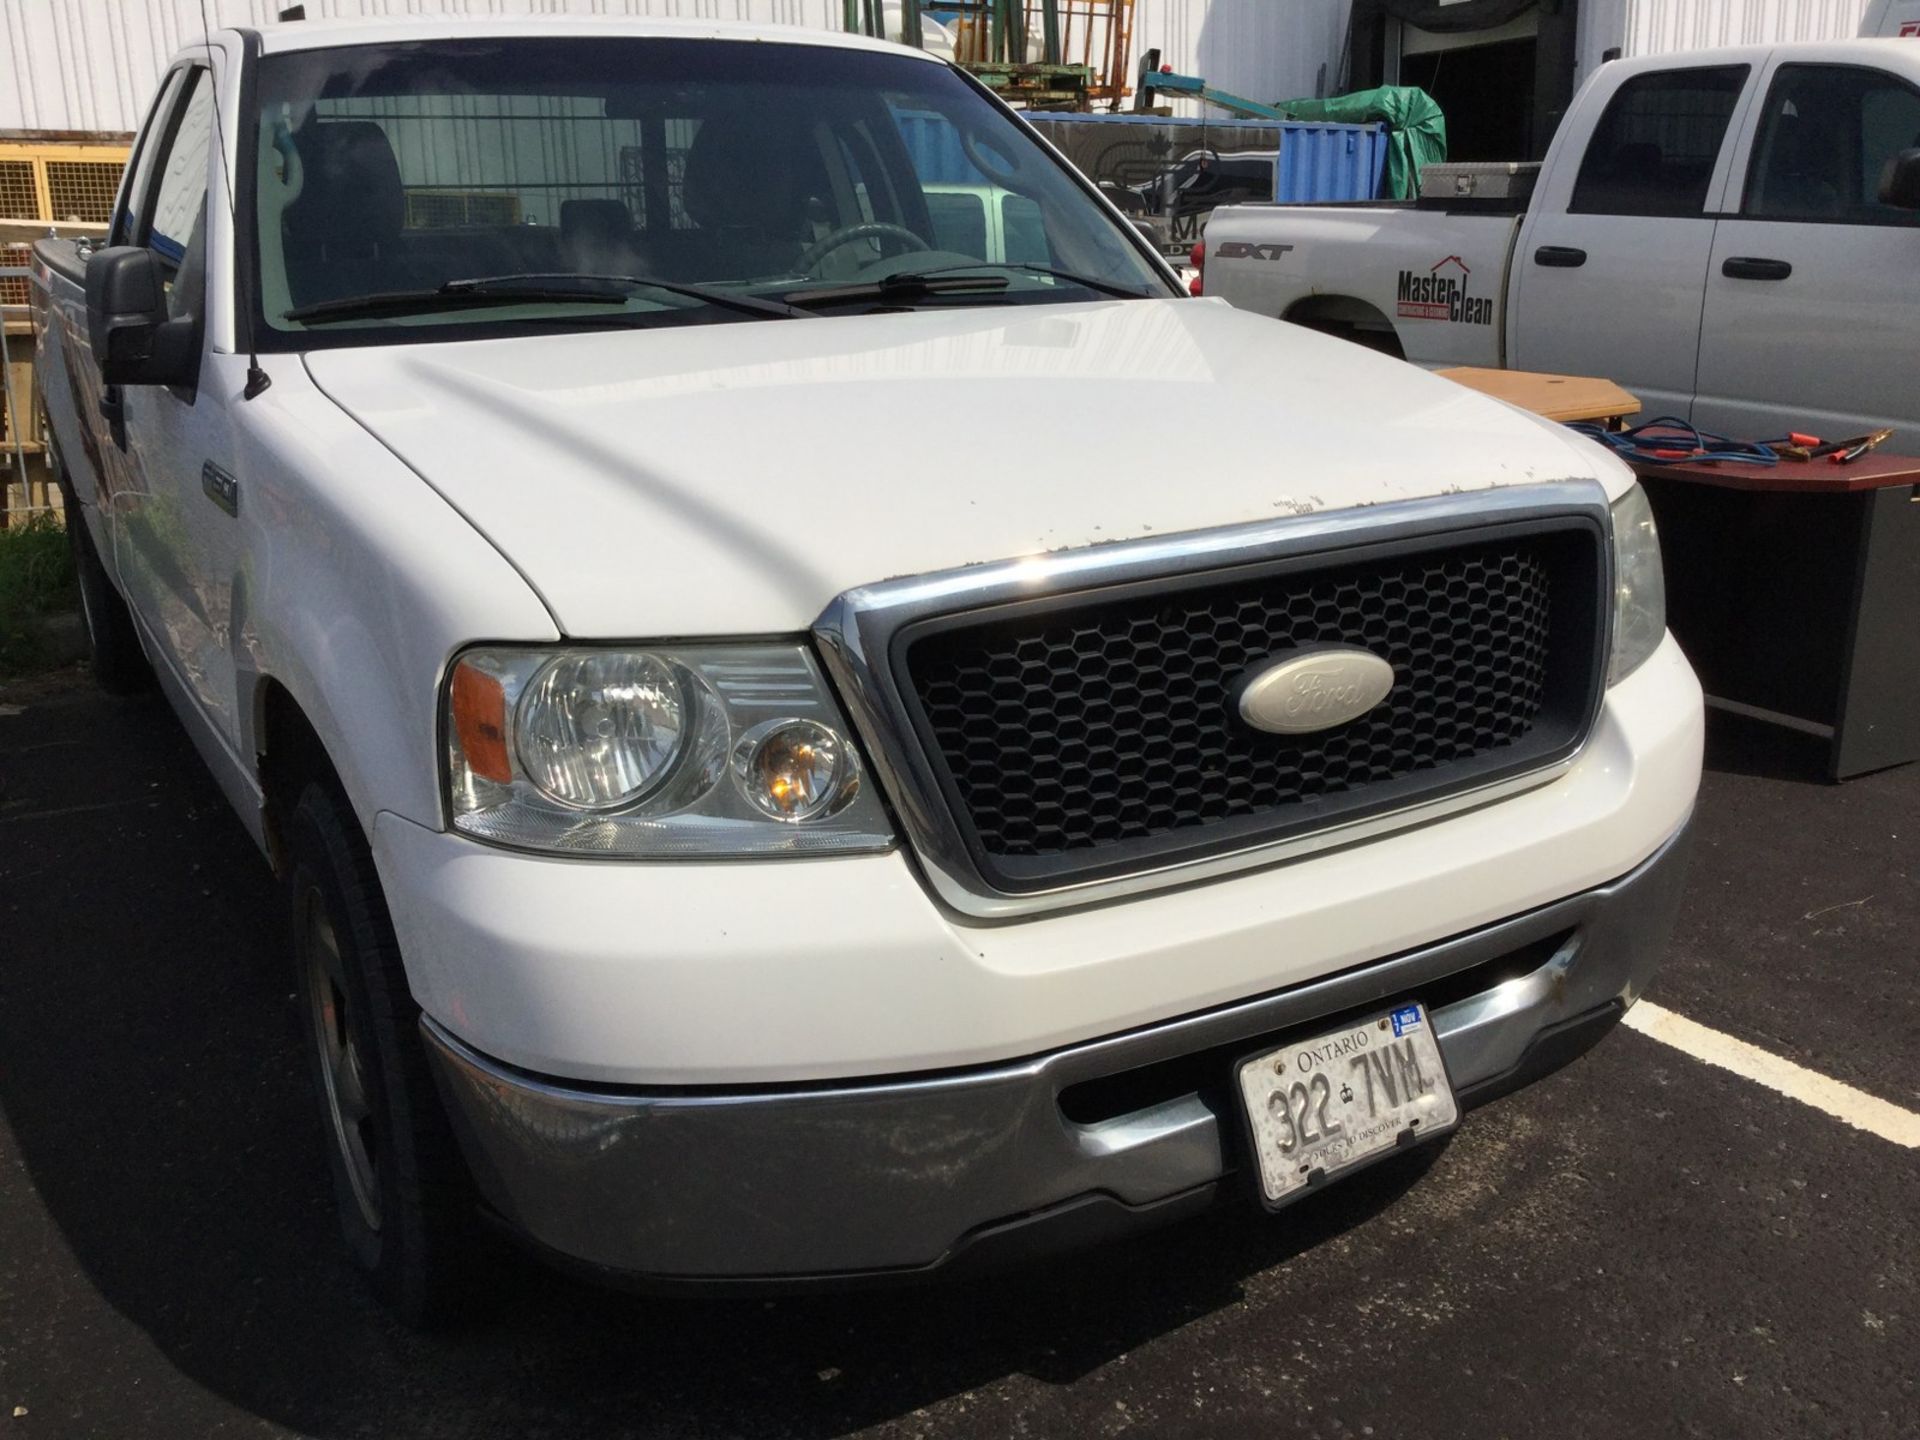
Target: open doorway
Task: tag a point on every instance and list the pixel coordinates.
(1502, 70)
(1486, 93)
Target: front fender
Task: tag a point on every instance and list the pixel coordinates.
(356, 583)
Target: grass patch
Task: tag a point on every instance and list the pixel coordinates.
(36, 579)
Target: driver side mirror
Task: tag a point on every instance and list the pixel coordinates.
(135, 342)
(1900, 181)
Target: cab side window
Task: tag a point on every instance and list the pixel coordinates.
(174, 226)
(1825, 136)
(139, 182)
(1654, 150)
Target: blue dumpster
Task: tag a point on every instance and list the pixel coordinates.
(1313, 160)
(1320, 161)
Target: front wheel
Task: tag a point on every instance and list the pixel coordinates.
(404, 1201)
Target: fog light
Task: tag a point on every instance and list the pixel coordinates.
(795, 769)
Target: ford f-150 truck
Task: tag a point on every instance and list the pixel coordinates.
(763, 790)
(1729, 234)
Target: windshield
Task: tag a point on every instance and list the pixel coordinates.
(557, 172)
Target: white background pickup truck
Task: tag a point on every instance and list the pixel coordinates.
(760, 791)
(1708, 230)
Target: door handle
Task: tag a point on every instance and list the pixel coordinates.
(1560, 257)
(1749, 267)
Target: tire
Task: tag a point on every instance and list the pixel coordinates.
(119, 664)
(405, 1203)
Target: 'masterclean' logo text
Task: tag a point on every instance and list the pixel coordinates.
(1442, 294)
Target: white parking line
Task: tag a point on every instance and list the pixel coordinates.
(1843, 1102)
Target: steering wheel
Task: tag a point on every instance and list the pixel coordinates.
(871, 230)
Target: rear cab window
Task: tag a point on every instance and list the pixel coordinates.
(1654, 150)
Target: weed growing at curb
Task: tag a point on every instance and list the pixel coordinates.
(36, 579)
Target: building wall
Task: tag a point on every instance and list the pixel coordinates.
(1657, 27)
(91, 65)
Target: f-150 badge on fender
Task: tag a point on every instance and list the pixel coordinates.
(1314, 689)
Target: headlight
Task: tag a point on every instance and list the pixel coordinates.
(679, 751)
(1639, 586)
(599, 731)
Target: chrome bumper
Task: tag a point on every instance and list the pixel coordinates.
(903, 1175)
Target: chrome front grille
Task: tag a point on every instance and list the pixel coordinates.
(1061, 729)
(1102, 722)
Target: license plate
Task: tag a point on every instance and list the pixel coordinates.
(1322, 1106)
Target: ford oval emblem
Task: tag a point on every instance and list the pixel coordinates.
(1314, 688)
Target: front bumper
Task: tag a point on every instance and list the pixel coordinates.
(778, 973)
(803, 1181)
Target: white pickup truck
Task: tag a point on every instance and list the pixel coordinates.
(1732, 235)
(763, 790)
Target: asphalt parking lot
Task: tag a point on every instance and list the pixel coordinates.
(1642, 1245)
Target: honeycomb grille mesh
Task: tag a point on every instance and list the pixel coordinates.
(1076, 729)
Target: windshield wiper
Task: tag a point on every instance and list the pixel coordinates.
(541, 288)
(950, 279)
(903, 285)
(725, 299)
(1104, 287)
(409, 302)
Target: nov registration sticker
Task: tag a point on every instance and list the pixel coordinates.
(1321, 1106)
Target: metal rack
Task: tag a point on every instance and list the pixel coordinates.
(16, 407)
(1084, 45)
(46, 181)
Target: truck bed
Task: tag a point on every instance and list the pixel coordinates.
(1423, 279)
(1504, 205)
(62, 256)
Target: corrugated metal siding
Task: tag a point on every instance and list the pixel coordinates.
(1655, 27)
(1263, 49)
(93, 64)
(1329, 162)
(1659, 27)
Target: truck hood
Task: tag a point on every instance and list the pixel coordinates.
(734, 478)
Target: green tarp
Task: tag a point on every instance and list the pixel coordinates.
(1418, 131)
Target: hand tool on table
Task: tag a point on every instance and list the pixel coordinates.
(1852, 450)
